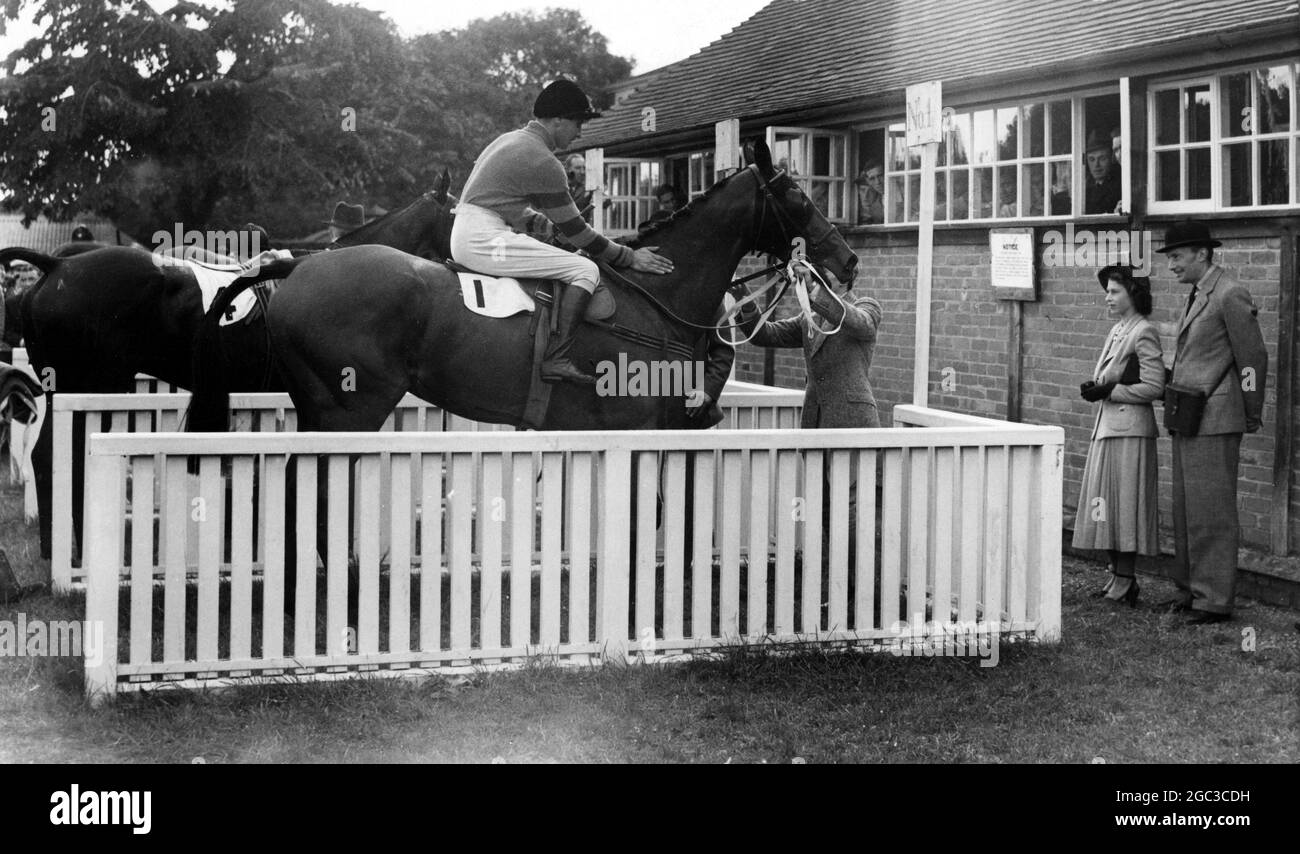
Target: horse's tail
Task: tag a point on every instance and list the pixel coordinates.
(39, 260)
(209, 409)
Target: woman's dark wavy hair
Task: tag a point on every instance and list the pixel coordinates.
(1138, 287)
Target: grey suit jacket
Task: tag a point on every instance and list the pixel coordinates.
(1127, 412)
(838, 392)
(1221, 333)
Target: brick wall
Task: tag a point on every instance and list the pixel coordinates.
(1062, 336)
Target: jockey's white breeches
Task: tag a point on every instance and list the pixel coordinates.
(484, 242)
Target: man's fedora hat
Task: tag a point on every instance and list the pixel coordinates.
(564, 99)
(1188, 233)
(1098, 141)
(348, 216)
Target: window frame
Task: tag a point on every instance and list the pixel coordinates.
(1076, 100)
(838, 183)
(643, 205)
(1218, 142)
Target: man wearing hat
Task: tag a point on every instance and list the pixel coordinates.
(515, 182)
(1103, 193)
(1220, 352)
(346, 218)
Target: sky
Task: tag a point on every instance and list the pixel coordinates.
(652, 34)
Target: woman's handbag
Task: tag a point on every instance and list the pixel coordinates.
(1184, 407)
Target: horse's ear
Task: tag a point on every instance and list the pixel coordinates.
(440, 186)
(747, 152)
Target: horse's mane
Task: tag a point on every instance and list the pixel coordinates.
(681, 213)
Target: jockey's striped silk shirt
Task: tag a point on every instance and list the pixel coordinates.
(518, 178)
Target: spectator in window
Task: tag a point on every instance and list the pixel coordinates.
(667, 201)
(1007, 195)
(1103, 192)
(870, 185)
(575, 167)
(1118, 496)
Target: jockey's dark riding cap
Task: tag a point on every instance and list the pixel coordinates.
(564, 99)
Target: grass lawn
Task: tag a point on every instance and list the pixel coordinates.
(1124, 685)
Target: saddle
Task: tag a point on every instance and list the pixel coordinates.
(498, 297)
(211, 279)
(502, 296)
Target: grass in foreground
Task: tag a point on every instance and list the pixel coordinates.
(1123, 686)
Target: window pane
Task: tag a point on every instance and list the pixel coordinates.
(1032, 180)
(1198, 173)
(940, 196)
(982, 201)
(960, 208)
(958, 139)
(1236, 174)
(1034, 129)
(897, 148)
(1166, 177)
(838, 160)
(1167, 117)
(1060, 122)
(1274, 96)
(913, 198)
(820, 195)
(821, 155)
(1006, 201)
(1008, 133)
(788, 154)
(1236, 112)
(1061, 189)
(1197, 105)
(896, 191)
(1273, 175)
(985, 137)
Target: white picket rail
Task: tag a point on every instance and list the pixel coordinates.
(965, 525)
(744, 406)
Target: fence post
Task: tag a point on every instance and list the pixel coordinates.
(612, 578)
(1049, 558)
(61, 533)
(103, 565)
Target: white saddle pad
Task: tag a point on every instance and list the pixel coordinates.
(494, 297)
(213, 277)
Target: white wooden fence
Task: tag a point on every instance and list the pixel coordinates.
(744, 406)
(547, 545)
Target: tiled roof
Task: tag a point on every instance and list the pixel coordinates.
(794, 54)
(46, 236)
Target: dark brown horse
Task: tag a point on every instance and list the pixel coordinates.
(96, 319)
(356, 329)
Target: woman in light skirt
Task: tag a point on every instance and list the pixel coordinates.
(1117, 501)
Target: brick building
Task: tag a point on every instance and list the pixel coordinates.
(1198, 98)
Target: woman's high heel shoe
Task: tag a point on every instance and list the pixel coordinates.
(1130, 596)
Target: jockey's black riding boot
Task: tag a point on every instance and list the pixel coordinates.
(556, 367)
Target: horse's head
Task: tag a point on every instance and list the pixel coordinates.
(788, 214)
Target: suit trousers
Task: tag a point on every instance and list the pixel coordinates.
(1206, 531)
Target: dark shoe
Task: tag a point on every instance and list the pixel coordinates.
(1201, 618)
(1130, 596)
(556, 366)
(1175, 605)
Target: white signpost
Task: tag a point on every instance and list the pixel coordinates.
(924, 128)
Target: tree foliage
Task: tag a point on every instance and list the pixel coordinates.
(264, 110)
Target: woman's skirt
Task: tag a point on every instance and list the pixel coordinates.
(1118, 498)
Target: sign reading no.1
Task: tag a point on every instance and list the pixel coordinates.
(924, 113)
